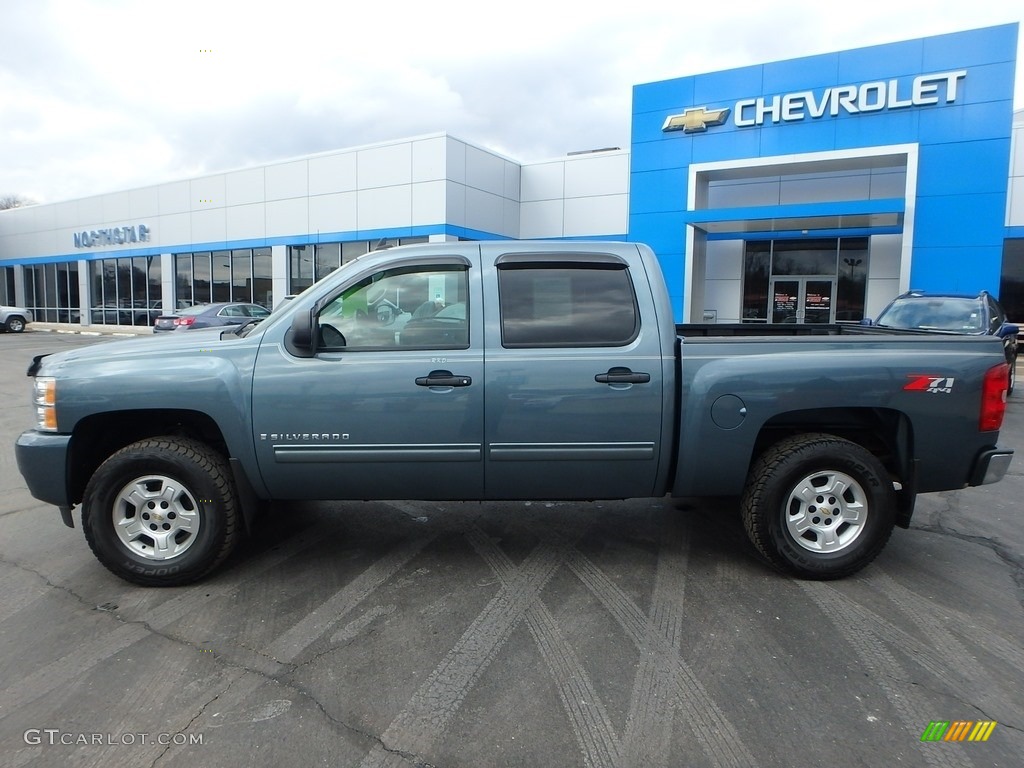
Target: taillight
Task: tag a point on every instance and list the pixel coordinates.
(184, 320)
(993, 397)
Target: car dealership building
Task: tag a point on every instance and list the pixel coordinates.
(808, 190)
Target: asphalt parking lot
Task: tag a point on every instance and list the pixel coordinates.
(635, 633)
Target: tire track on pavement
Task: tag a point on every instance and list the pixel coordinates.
(93, 652)
(587, 714)
(875, 657)
(648, 739)
(287, 647)
(426, 716)
(719, 738)
(943, 654)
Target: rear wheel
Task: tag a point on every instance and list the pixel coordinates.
(161, 512)
(819, 506)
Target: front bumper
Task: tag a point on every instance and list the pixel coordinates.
(43, 462)
(991, 466)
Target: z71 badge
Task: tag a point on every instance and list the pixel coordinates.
(934, 384)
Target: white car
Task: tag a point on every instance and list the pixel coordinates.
(14, 319)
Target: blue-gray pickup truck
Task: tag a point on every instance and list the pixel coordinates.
(508, 370)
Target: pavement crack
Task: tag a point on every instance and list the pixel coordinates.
(1013, 559)
(46, 580)
(195, 717)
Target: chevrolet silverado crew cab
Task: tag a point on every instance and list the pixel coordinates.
(508, 370)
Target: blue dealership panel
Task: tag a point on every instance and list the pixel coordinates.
(946, 100)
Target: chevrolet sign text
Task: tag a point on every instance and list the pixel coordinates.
(923, 90)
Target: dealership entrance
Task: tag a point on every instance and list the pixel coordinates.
(802, 299)
(809, 280)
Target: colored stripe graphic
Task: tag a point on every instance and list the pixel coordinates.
(982, 730)
(958, 730)
(935, 731)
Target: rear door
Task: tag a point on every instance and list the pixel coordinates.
(574, 382)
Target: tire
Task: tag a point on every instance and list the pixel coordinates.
(161, 512)
(16, 324)
(818, 506)
(1013, 376)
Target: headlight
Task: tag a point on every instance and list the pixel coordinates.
(45, 399)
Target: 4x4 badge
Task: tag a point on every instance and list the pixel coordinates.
(924, 383)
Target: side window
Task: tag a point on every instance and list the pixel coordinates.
(558, 305)
(996, 315)
(233, 311)
(405, 308)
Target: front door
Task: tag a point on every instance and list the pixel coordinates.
(391, 405)
(802, 299)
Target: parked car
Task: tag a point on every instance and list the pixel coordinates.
(978, 315)
(147, 315)
(210, 316)
(14, 319)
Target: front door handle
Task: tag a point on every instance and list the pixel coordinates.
(443, 379)
(619, 375)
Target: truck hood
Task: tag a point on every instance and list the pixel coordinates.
(161, 349)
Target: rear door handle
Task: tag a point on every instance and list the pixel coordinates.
(443, 379)
(619, 375)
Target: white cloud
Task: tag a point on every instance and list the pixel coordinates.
(99, 95)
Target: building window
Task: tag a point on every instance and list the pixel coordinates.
(7, 286)
(125, 291)
(300, 268)
(262, 277)
(243, 274)
(1011, 284)
(328, 259)
(51, 292)
(221, 275)
(852, 281)
(309, 263)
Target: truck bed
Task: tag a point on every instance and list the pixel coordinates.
(698, 330)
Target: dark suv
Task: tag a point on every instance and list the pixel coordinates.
(953, 313)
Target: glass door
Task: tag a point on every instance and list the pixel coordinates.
(802, 299)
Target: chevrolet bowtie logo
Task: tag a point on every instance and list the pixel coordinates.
(695, 120)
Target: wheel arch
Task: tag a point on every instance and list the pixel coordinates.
(884, 432)
(97, 437)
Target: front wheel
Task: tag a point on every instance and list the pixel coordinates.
(161, 512)
(16, 324)
(818, 506)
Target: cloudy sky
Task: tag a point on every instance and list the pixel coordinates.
(101, 95)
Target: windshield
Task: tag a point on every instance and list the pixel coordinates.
(935, 314)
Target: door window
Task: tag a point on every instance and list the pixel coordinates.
(407, 307)
(566, 306)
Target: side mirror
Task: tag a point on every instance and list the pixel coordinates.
(301, 339)
(866, 321)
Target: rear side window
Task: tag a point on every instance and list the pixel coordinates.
(559, 305)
